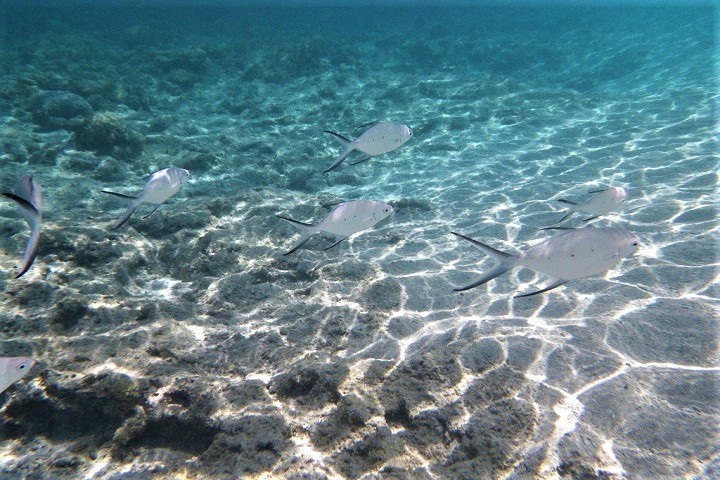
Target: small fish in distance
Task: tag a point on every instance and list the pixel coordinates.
(13, 369)
(604, 201)
(344, 219)
(576, 253)
(159, 188)
(29, 199)
(381, 137)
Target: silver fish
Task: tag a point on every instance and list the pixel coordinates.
(160, 187)
(29, 199)
(602, 202)
(13, 369)
(380, 138)
(345, 219)
(574, 254)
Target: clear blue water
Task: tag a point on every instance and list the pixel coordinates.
(197, 348)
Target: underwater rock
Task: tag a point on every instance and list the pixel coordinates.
(385, 294)
(53, 110)
(482, 355)
(107, 134)
(350, 414)
(491, 441)
(243, 291)
(414, 382)
(431, 428)
(92, 250)
(502, 382)
(68, 312)
(373, 450)
(90, 407)
(250, 444)
(313, 385)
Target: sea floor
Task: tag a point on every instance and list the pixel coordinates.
(186, 345)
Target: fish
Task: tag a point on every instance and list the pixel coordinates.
(28, 197)
(13, 369)
(602, 202)
(381, 137)
(159, 188)
(575, 253)
(344, 219)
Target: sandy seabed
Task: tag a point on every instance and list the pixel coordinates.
(186, 345)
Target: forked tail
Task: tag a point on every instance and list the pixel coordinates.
(34, 220)
(504, 262)
(572, 209)
(348, 150)
(134, 203)
(306, 229)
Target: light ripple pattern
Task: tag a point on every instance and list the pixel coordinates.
(186, 345)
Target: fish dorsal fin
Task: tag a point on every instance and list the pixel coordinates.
(369, 124)
(599, 191)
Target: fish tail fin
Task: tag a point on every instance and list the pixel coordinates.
(34, 218)
(340, 159)
(504, 262)
(27, 209)
(128, 213)
(306, 229)
(126, 216)
(30, 250)
(559, 221)
(571, 209)
(338, 137)
(120, 195)
(348, 149)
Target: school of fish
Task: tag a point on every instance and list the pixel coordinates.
(573, 254)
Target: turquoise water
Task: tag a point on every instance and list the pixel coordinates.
(186, 345)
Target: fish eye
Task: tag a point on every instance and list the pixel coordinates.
(635, 244)
(21, 367)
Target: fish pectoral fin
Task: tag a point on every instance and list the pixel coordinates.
(336, 243)
(591, 218)
(599, 191)
(567, 202)
(363, 159)
(546, 289)
(153, 211)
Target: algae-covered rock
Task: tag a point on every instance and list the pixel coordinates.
(57, 109)
(107, 134)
